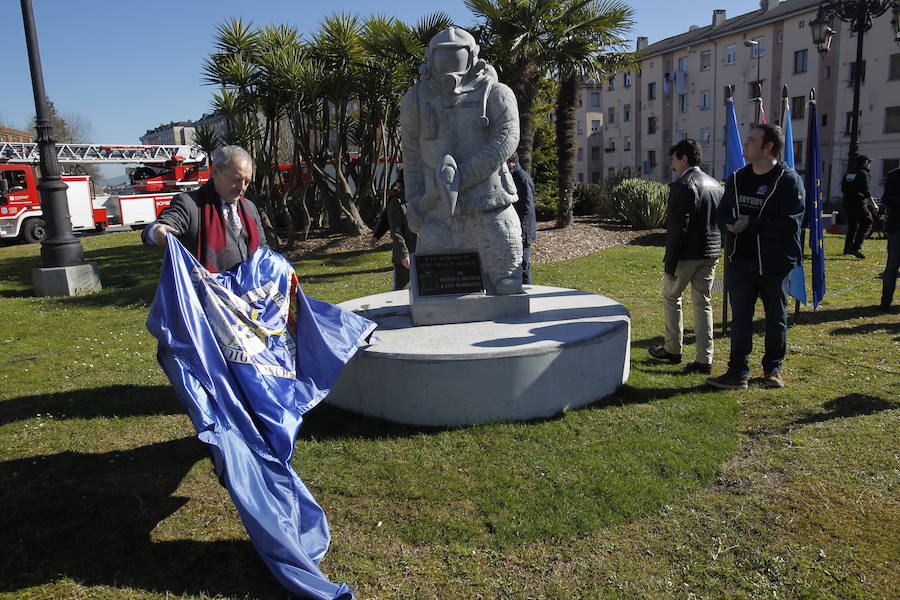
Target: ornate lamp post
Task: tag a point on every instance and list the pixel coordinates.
(859, 13)
(64, 272)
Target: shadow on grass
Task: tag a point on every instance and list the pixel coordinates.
(90, 517)
(128, 273)
(830, 315)
(651, 238)
(851, 405)
(890, 327)
(329, 276)
(103, 402)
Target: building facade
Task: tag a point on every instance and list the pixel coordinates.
(171, 134)
(679, 91)
(15, 136)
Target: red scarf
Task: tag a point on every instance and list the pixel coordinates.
(211, 238)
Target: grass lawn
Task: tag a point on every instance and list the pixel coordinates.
(666, 490)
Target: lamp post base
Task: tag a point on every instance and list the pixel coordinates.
(77, 280)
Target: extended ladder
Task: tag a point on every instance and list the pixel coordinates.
(11, 152)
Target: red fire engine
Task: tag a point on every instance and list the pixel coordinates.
(164, 172)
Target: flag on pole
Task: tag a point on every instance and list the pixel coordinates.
(248, 354)
(734, 151)
(814, 205)
(797, 279)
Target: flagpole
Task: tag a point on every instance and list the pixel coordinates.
(784, 114)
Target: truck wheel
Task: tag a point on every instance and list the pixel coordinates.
(34, 230)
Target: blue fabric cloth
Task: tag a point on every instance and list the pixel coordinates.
(248, 355)
(814, 200)
(734, 151)
(797, 281)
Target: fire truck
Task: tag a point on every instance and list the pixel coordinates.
(164, 171)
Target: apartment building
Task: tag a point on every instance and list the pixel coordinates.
(680, 87)
(9, 134)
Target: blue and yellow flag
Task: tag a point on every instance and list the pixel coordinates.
(814, 207)
(248, 355)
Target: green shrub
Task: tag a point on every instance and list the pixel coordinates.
(641, 203)
(545, 201)
(587, 198)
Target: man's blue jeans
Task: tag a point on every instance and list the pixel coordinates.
(745, 285)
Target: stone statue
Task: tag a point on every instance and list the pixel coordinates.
(459, 125)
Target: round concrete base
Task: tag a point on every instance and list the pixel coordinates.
(572, 350)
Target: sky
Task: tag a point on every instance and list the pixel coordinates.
(123, 66)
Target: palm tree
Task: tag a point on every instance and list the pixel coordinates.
(515, 36)
(586, 40)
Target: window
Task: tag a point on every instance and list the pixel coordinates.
(801, 24)
(862, 73)
(580, 128)
(651, 90)
(755, 86)
(827, 71)
(626, 113)
(611, 115)
(824, 120)
(580, 178)
(651, 124)
(580, 154)
(627, 145)
(705, 99)
(779, 37)
(894, 71)
(682, 103)
(612, 82)
(705, 60)
(798, 107)
(798, 153)
(595, 126)
(704, 136)
(667, 138)
(759, 49)
(680, 135)
(683, 64)
(15, 178)
(730, 54)
(595, 99)
(627, 80)
(892, 119)
(651, 157)
(611, 145)
(595, 152)
(800, 59)
(595, 177)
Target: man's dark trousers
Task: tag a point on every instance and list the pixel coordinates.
(859, 225)
(745, 284)
(889, 282)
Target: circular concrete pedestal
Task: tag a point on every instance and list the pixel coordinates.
(572, 350)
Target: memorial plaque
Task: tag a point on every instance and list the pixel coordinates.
(448, 274)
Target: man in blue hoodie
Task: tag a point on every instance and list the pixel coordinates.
(761, 213)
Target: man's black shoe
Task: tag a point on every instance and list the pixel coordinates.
(858, 254)
(659, 353)
(696, 367)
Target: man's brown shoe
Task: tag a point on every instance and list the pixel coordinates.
(773, 379)
(727, 382)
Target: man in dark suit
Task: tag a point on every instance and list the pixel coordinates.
(525, 209)
(215, 223)
(890, 201)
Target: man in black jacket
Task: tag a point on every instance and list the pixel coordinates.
(693, 243)
(857, 206)
(890, 202)
(525, 209)
(762, 210)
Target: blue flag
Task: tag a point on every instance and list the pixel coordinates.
(734, 151)
(797, 279)
(248, 355)
(814, 207)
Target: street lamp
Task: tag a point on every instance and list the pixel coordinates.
(62, 256)
(755, 45)
(859, 13)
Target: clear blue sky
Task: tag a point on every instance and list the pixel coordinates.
(126, 66)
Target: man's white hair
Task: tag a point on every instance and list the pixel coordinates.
(227, 155)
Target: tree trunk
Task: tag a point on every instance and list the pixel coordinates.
(566, 104)
(525, 90)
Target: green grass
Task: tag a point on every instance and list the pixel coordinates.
(665, 490)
